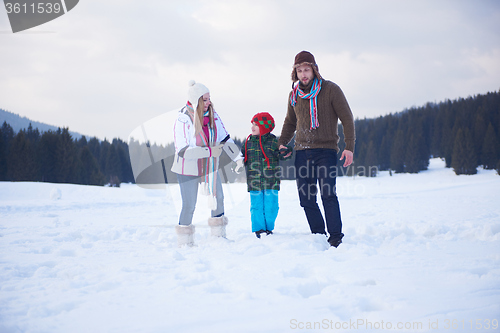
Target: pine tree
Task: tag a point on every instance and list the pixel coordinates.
(447, 138)
(480, 126)
(47, 156)
(21, 162)
(464, 158)
(81, 143)
(371, 161)
(489, 151)
(33, 135)
(8, 137)
(398, 152)
(411, 157)
(125, 166)
(3, 158)
(91, 175)
(113, 167)
(103, 156)
(416, 158)
(384, 155)
(360, 159)
(66, 158)
(95, 148)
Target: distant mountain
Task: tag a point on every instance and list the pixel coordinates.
(18, 123)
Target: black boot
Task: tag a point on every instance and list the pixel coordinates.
(257, 233)
(335, 242)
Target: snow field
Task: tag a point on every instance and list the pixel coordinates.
(419, 250)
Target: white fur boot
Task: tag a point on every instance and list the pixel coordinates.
(218, 226)
(185, 235)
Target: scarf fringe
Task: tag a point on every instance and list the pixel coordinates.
(209, 187)
(209, 179)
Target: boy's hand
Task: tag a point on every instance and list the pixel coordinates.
(240, 165)
(283, 150)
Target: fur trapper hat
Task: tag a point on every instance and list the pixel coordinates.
(305, 58)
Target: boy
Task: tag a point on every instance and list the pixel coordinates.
(261, 155)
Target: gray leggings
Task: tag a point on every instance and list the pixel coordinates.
(189, 195)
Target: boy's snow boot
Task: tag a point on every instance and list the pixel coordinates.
(218, 226)
(259, 233)
(185, 235)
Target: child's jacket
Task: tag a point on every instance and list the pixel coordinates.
(259, 175)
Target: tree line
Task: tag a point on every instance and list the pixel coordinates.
(464, 132)
(54, 156)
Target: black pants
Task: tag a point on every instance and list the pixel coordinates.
(313, 166)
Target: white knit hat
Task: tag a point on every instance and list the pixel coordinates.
(196, 90)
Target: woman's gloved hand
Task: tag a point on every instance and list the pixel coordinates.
(217, 150)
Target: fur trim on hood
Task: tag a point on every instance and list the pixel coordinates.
(305, 58)
(313, 66)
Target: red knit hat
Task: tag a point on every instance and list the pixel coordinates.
(264, 121)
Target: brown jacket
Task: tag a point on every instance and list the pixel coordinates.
(332, 106)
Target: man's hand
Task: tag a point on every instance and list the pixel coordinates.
(284, 147)
(347, 154)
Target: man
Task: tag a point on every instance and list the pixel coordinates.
(314, 107)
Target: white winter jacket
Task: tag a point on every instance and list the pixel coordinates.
(184, 139)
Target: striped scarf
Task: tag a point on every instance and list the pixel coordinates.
(211, 164)
(312, 96)
(208, 165)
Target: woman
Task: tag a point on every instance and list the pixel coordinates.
(200, 137)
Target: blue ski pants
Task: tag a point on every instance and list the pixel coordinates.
(263, 209)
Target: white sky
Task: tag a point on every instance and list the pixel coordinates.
(108, 66)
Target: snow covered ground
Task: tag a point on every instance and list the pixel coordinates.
(421, 254)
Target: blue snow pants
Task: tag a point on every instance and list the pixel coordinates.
(263, 209)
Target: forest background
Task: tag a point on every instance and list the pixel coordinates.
(464, 132)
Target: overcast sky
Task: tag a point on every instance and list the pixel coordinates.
(108, 66)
